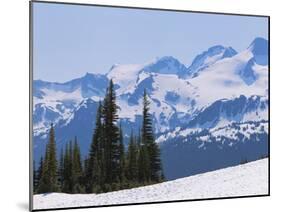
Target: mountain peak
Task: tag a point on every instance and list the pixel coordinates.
(92, 76)
(166, 59)
(209, 57)
(259, 46)
(166, 65)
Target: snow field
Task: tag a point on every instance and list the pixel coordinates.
(242, 180)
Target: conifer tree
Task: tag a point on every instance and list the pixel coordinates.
(66, 188)
(122, 156)
(70, 183)
(35, 178)
(143, 165)
(52, 162)
(77, 168)
(61, 168)
(132, 173)
(49, 179)
(153, 151)
(111, 137)
(38, 174)
(95, 161)
(43, 186)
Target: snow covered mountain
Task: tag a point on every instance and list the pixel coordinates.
(221, 87)
(208, 58)
(57, 101)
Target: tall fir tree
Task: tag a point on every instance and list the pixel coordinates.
(49, 179)
(95, 161)
(153, 151)
(77, 168)
(38, 174)
(52, 162)
(35, 178)
(132, 160)
(61, 168)
(71, 171)
(111, 138)
(43, 185)
(66, 188)
(122, 157)
(143, 165)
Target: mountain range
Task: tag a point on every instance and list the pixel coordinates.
(208, 115)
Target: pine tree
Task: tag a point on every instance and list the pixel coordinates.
(143, 165)
(122, 157)
(153, 151)
(66, 188)
(43, 186)
(132, 173)
(52, 162)
(49, 179)
(70, 183)
(38, 174)
(35, 178)
(61, 168)
(95, 161)
(111, 137)
(77, 168)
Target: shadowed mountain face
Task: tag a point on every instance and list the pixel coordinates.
(209, 57)
(193, 108)
(259, 48)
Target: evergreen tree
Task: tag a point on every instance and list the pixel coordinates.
(132, 173)
(43, 186)
(95, 161)
(61, 168)
(84, 178)
(111, 137)
(49, 179)
(153, 151)
(70, 183)
(52, 162)
(66, 188)
(122, 157)
(143, 165)
(76, 168)
(35, 178)
(38, 174)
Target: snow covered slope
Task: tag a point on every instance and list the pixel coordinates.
(242, 180)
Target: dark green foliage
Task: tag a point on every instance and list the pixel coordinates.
(76, 169)
(122, 165)
(49, 179)
(143, 165)
(72, 170)
(95, 164)
(52, 162)
(132, 160)
(35, 178)
(37, 174)
(154, 168)
(61, 168)
(111, 137)
(67, 172)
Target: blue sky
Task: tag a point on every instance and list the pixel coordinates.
(70, 40)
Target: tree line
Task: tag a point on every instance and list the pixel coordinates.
(109, 166)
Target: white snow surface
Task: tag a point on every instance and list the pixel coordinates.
(241, 180)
